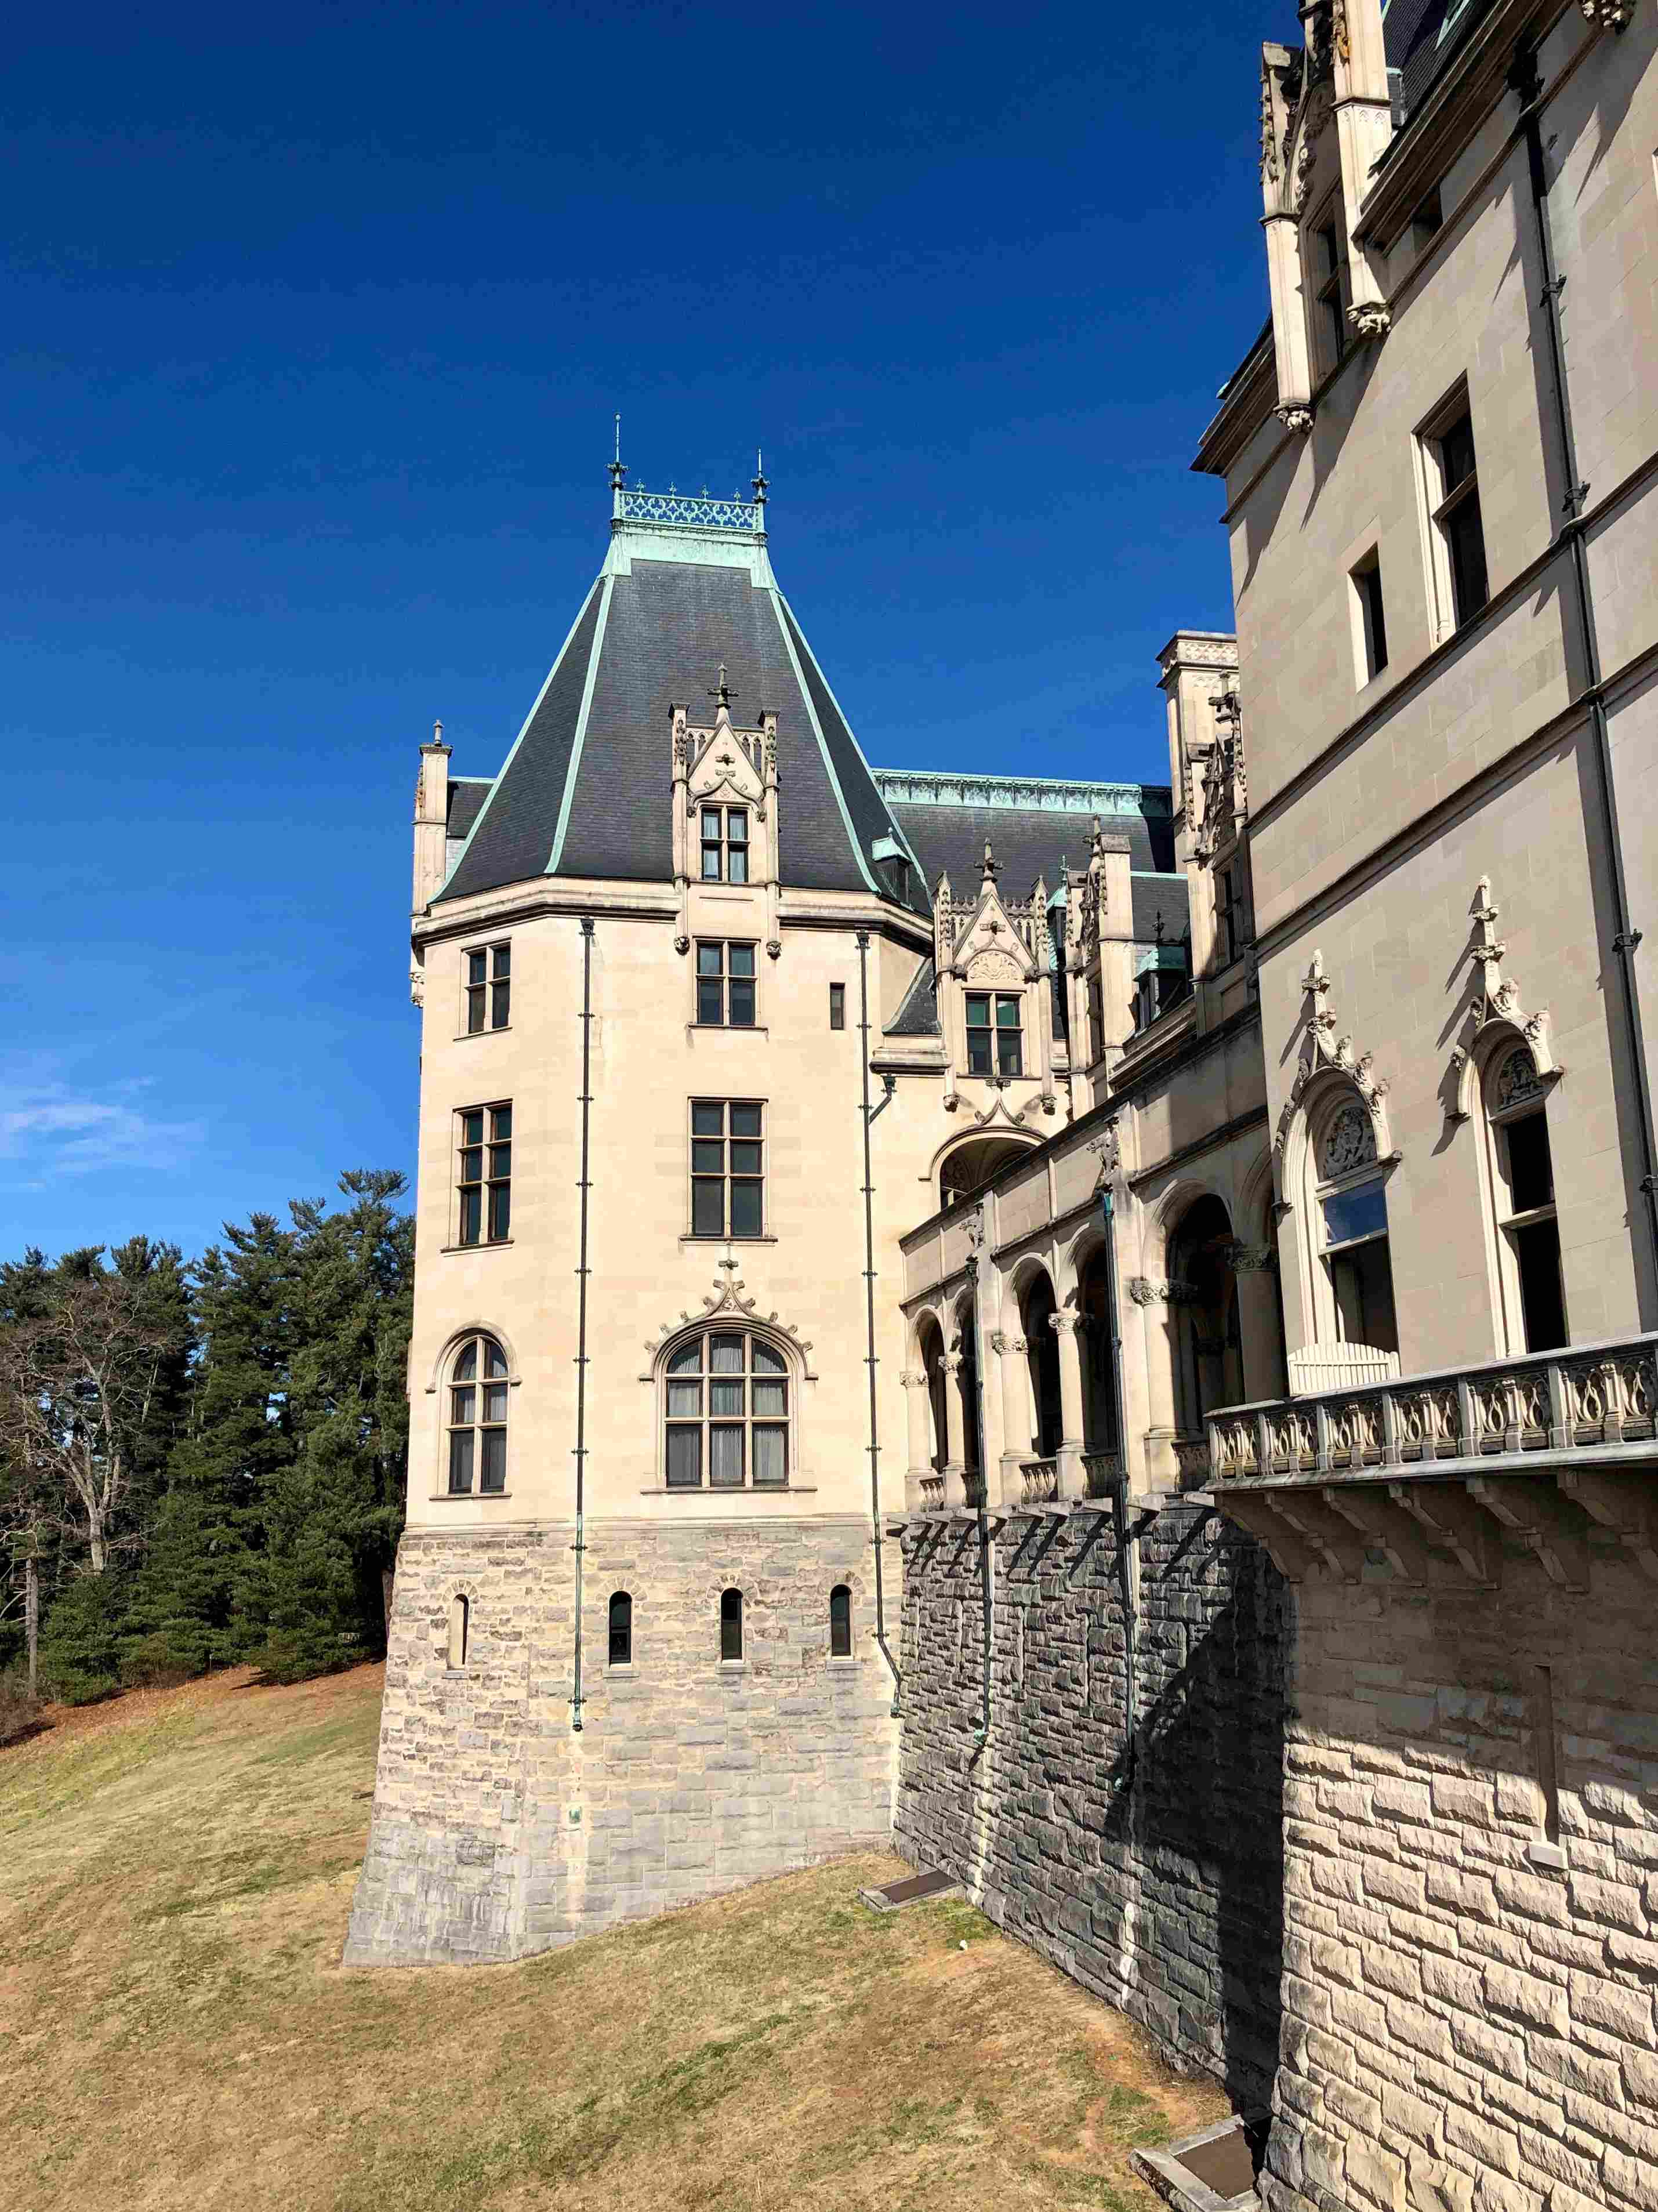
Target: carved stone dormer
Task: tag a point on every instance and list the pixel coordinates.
(1326, 117)
(721, 765)
(998, 946)
(1494, 1011)
(1322, 1050)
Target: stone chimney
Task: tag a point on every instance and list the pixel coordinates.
(431, 819)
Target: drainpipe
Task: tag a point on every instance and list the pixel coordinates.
(981, 1733)
(869, 1114)
(1525, 81)
(1120, 1493)
(579, 1546)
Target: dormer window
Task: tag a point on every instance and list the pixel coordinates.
(724, 844)
(1334, 284)
(995, 1044)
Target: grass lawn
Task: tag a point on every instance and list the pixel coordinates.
(179, 2032)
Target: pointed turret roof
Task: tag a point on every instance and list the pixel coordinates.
(686, 589)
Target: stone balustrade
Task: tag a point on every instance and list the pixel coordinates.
(1039, 1482)
(1434, 1470)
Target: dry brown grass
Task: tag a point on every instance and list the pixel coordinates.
(179, 2032)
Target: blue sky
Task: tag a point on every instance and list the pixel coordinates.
(317, 323)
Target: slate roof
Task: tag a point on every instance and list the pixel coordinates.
(466, 796)
(1418, 46)
(918, 1009)
(585, 790)
(1028, 842)
(1160, 898)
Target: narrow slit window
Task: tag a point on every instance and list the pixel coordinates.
(1334, 285)
(1548, 1779)
(460, 1624)
(1525, 1188)
(622, 1629)
(1456, 518)
(840, 1622)
(488, 987)
(731, 1624)
(837, 1005)
(1372, 620)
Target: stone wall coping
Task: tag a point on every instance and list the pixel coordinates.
(1639, 1452)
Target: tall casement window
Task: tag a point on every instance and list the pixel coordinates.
(724, 844)
(1462, 587)
(724, 985)
(1334, 281)
(485, 1177)
(994, 1044)
(728, 1168)
(488, 987)
(840, 1622)
(1533, 1300)
(478, 1418)
(460, 1629)
(1229, 915)
(622, 1629)
(726, 1412)
(731, 1624)
(1350, 1211)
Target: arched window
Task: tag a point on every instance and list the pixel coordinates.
(460, 1624)
(840, 1622)
(478, 1418)
(1043, 1355)
(1523, 1183)
(1349, 1225)
(622, 1629)
(731, 1624)
(727, 1416)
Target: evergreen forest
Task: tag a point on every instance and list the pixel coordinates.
(202, 1461)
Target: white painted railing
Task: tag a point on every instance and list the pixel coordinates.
(1338, 1367)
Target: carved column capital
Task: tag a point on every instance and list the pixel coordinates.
(1065, 1322)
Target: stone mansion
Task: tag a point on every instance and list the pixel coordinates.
(1105, 1334)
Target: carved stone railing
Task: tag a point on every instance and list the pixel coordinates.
(932, 1487)
(698, 513)
(1104, 1471)
(1039, 1481)
(1192, 1458)
(973, 1483)
(1582, 1395)
(1433, 1474)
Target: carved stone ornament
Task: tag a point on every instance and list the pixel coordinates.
(1065, 1322)
(1371, 318)
(1349, 1142)
(682, 944)
(1517, 1081)
(1150, 1291)
(1614, 14)
(993, 967)
(727, 1298)
(417, 986)
(1495, 1006)
(1298, 419)
(1323, 1051)
(1108, 1146)
(912, 1381)
(1249, 1258)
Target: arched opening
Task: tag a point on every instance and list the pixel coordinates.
(1096, 1331)
(930, 1339)
(967, 1384)
(840, 1622)
(622, 1629)
(460, 1627)
(1037, 1306)
(1521, 1175)
(731, 1624)
(478, 1418)
(727, 1412)
(970, 1167)
(1203, 1314)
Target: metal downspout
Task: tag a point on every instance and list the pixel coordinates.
(869, 1114)
(981, 1733)
(1119, 1499)
(1525, 81)
(581, 1304)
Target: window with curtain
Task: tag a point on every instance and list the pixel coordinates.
(728, 1167)
(478, 1418)
(727, 1412)
(994, 1044)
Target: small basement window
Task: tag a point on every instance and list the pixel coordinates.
(840, 1622)
(622, 1629)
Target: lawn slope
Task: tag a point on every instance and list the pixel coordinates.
(179, 2032)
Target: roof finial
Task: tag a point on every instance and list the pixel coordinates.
(759, 478)
(725, 695)
(992, 866)
(618, 473)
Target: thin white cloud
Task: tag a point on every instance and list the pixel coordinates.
(53, 1129)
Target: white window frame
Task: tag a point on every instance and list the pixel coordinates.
(496, 956)
(1436, 506)
(792, 1377)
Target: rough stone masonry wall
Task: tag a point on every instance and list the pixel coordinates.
(1468, 2030)
(497, 1830)
(1156, 1882)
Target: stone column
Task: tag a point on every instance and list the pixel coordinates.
(1260, 1325)
(1072, 1474)
(1013, 1352)
(921, 1458)
(956, 1440)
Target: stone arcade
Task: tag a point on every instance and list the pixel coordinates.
(1222, 1529)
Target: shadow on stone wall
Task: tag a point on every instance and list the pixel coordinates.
(1150, 1871)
